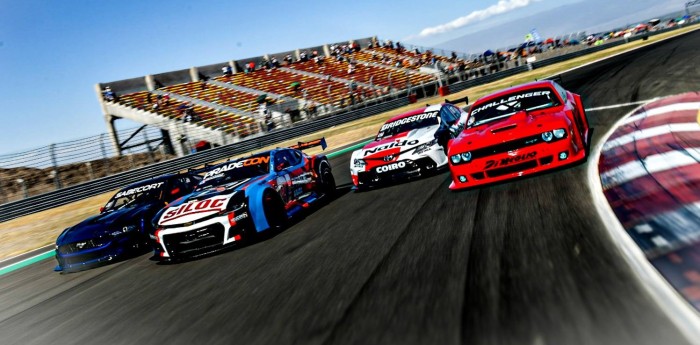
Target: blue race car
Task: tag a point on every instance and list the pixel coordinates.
(121, 229)
(237, 199)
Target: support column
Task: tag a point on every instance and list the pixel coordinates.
(234, 67)
(326, 50)
(112, 132)
(150, 82)
(194, 73)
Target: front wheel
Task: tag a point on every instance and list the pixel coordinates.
(275, 213)
(327, 181)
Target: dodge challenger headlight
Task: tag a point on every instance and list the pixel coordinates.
(461, 158)
(559, 133)
(547, 136)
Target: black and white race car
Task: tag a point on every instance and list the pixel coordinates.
(408, 145)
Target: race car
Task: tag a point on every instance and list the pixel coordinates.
(122, 228)
(408, 145)
(238, 199)
(519, 131)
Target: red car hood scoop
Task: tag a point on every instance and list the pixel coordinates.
(504, 128)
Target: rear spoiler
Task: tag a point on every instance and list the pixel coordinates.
(557, 79)
(308, 144)
(195, 171)
(464, 99)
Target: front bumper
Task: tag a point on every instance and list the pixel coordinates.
(203, 237)
(110, 251)
(515, 163)
(410, 169)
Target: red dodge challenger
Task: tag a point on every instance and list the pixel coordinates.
(518, 131)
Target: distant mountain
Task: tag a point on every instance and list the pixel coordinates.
(587, 15)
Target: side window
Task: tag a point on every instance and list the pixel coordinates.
(455, 112)
(560, 91)
(283, 160)
(296, 157)
(447, 116)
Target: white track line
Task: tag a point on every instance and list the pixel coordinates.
(677, 309)
(652, 164)
(621, 105)
(663, 110)
(651, 132)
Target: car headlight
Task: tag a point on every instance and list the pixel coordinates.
(463, 157)
(359, 163)
(547, 136)
(424, 147)
(559, 133)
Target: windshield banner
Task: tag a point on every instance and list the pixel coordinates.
(510, 99)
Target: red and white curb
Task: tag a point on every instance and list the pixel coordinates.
(644, 186)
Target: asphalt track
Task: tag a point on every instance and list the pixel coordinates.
(526, 262)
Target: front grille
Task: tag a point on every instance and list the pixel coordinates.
(507, 146)
(195, 240)
(511, 169)
(80, 246)
(70, 260)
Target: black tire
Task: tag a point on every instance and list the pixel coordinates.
(327, 181)
(274, 210)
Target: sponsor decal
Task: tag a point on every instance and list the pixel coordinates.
(236, 165)
(510, 99)
(243, 215)
(397, 143)
(208, 205)
(405, 120)
(304, 178)
(388, 158)
(390, 167)
(139, 189)
(510, 160)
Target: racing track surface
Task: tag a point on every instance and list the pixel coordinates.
(526, 262)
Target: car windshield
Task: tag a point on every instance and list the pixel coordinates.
(235, 171)
(512, 103)
(408, 123)
(135, 195)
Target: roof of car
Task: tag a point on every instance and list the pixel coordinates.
(151, 180)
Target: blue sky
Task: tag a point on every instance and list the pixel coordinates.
(53, 52)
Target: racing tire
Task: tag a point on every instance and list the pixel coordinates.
(275, 213)
(327, 181)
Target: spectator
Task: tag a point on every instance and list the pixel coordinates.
(109, 95)
(351, 67)
(314, 54)
(454, 57)
(250, 67)
(288, 59)
(226, 70)
(274, 62)
(190, 114)
(303, 56)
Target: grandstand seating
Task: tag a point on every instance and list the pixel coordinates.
(314, 81)
(219, 95)
(209, 117)
(279, 82)
(364, 73)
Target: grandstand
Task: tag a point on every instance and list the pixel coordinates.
(228, 106)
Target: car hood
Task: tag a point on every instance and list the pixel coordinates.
(517, 126)
(398, 143)
(105, 223)
(202, 204)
